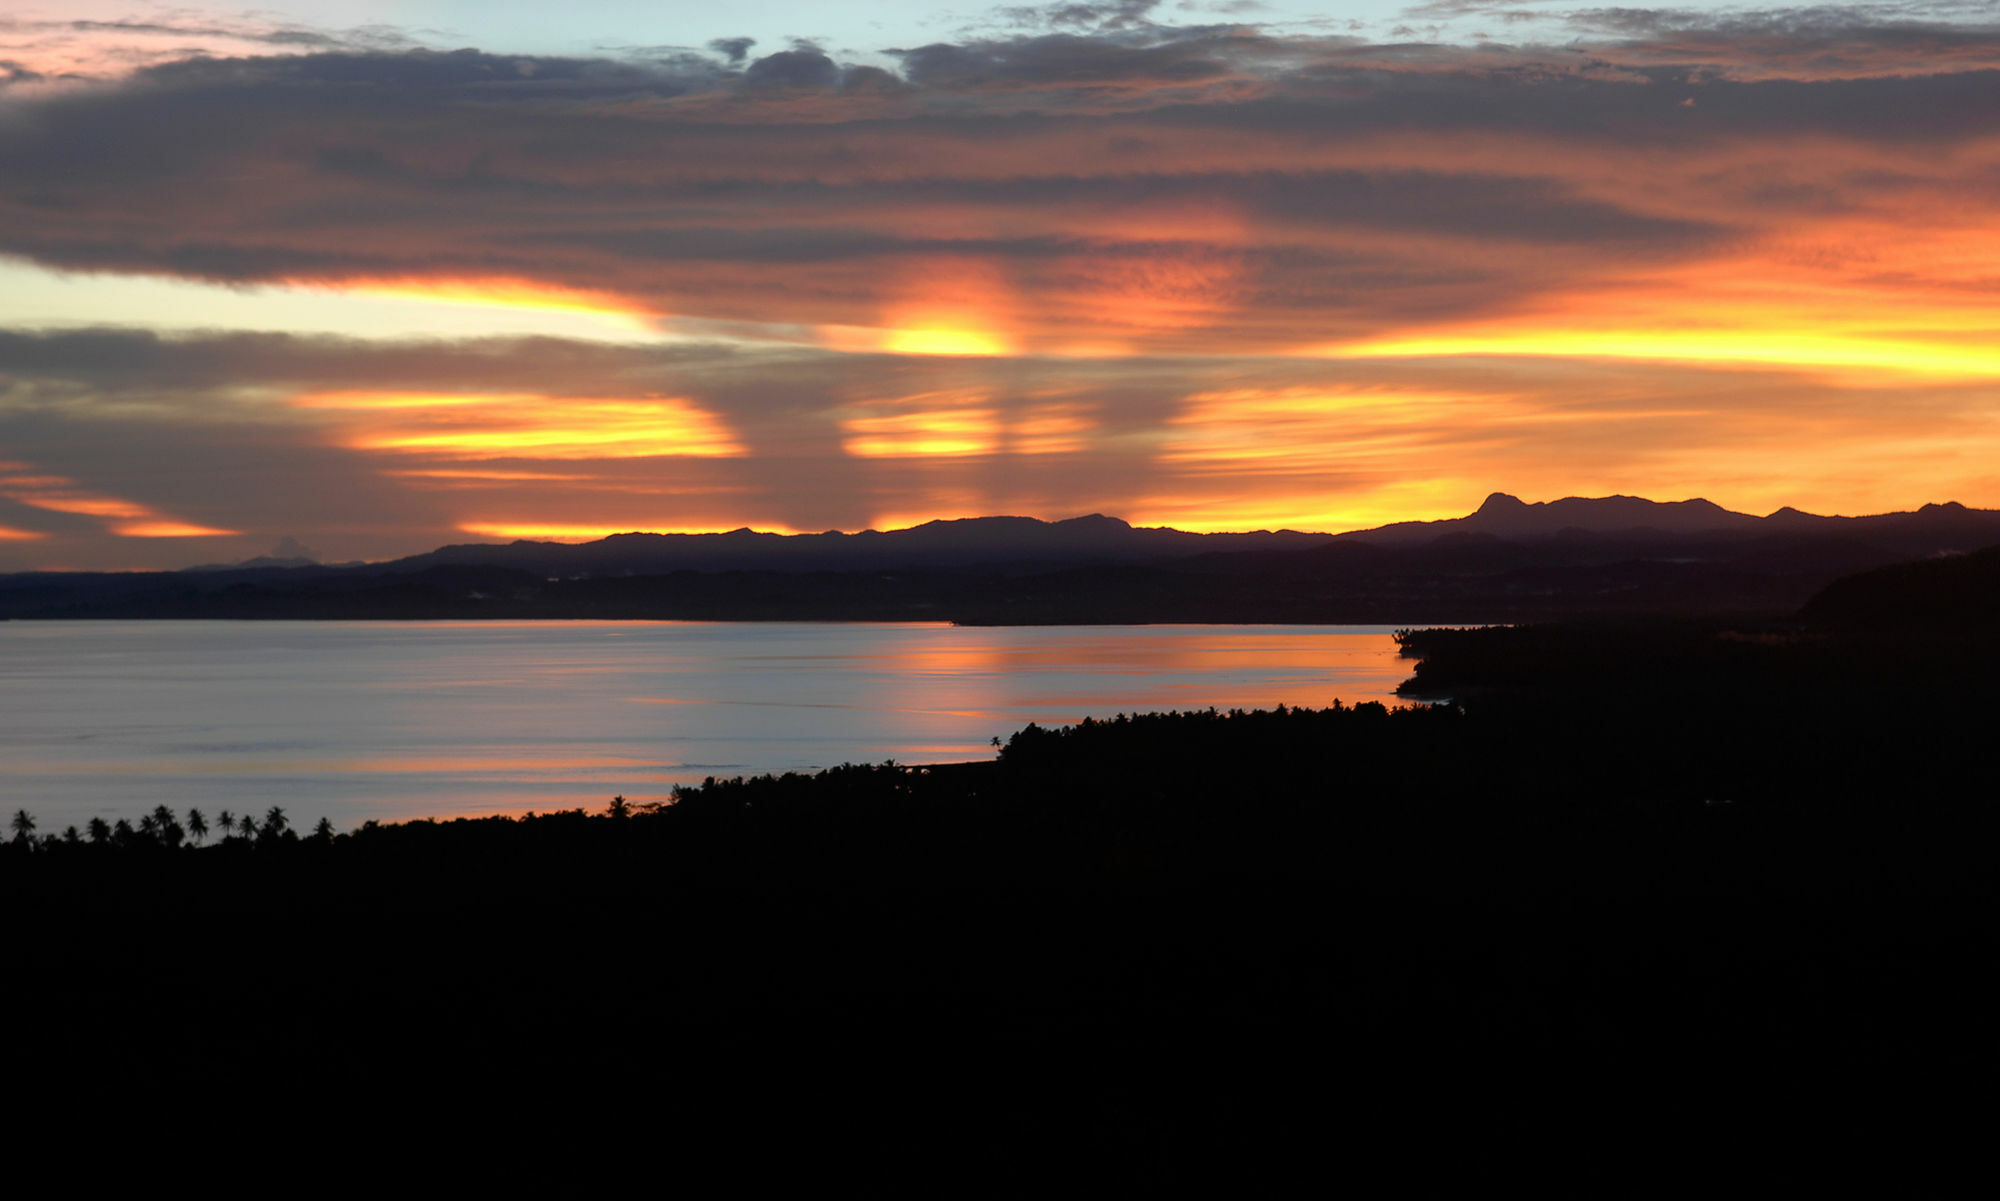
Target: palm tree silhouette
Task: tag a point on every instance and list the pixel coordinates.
(168, 829)
(197, 825)
(24, 826)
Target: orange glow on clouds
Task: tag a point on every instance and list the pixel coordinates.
(1051, 429)
(1916, 306)
(926, 336)
(945, 306)
(1350, 509)
(545, 532)
(391, 400)
(167, 529)
(969, 428)
(1161, 291)
(932, 337)
(951, 507)
(1850, 358)
(948, 424)
(59, 494)
(1318, 458)
(1306, 429)
(526, 426)
(85, 505)
(9, 534)
(494, 474)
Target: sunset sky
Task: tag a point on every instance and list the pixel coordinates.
(480, 271)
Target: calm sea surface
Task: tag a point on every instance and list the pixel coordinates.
(353, 720)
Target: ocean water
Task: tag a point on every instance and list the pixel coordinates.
(391, 720)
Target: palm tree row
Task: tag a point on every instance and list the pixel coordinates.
(164, 830)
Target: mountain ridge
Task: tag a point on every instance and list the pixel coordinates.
(1010, 542)
(1029, 543)
(1508, 561)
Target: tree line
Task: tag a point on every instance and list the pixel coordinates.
(164, 830)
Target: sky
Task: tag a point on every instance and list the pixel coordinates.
(372, 277)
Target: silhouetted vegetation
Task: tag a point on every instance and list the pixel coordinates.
(159, 830)
(1643, 905)
(1712, 889)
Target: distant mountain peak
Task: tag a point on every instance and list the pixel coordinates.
(289, 552)
(1508, 516)
(1095, 521)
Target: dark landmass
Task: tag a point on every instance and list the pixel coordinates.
(1508, 562)
(1960, 592)
(1008, 545)
(1653, 906)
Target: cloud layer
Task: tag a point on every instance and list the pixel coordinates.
(1214, 276)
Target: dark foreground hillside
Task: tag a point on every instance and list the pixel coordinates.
(1609, 929)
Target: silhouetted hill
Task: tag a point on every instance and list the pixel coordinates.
(1507, 562)
(1508, 516)
(1932, 529)
(254, 564)
(1959, 592)
(1004, 544)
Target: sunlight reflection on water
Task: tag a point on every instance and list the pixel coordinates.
(388, 720)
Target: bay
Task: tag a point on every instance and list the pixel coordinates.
(395, 720)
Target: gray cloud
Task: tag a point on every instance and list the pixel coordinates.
(797, 193)
(1104, 16)
(799, 68)
(1064, 60)
(733, 49)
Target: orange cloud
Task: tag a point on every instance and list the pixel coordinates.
(959, 424)
(1306, 428)
(941, 306)
(85, 505)
(1915, 306)
(1311, 458)
(1168, 288)
(1051, 429)
(60, 494)
(167, 529)
(475, 475)
(955, 431)
(526, 426)
(557, 532)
